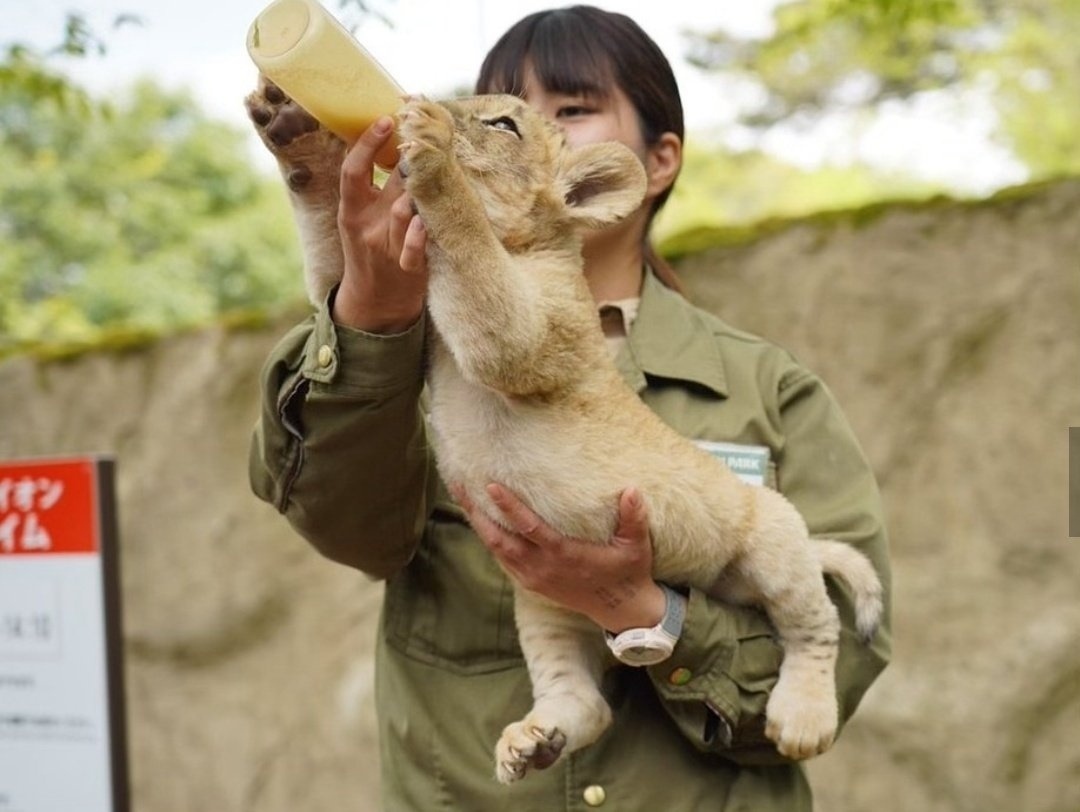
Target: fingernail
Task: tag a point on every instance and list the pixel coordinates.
(383, 126)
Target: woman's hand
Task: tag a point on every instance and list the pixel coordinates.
(385, 279)
(610, 583)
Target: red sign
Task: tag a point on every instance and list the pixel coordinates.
(48, 506)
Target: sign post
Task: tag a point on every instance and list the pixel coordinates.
(62, 724)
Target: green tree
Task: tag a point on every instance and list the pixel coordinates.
(828, 55)
(140, 213)
(24, 69)
(147, 215)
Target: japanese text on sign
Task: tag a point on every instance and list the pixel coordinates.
(43, 509)
(22, 502)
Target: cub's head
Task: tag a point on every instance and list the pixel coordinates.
(534, 187)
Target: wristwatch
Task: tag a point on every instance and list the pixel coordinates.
(649, 646)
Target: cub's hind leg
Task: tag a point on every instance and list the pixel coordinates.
(782, 570)
(309, 157)
(565, 654)
(802, 713)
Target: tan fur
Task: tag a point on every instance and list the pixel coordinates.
(524, 393)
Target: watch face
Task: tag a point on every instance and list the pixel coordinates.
(650, 653)
(645, 656)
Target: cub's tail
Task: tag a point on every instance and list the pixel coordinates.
(855, 569)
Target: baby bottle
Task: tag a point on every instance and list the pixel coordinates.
(300, 47)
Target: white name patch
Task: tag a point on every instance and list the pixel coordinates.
(750, 463)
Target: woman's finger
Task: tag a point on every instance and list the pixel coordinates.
(520, 517)
(357, 171)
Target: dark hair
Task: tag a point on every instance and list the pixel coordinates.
(585, 50)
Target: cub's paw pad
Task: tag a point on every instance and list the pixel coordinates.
(522, 747)
(277, 118)
(304, 149)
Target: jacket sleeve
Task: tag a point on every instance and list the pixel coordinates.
(339, 447)
(716, 684)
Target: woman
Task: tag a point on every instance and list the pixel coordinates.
(340, 450)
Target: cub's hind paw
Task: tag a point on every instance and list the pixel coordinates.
(802, 723)
(305, 150)
(523, 746)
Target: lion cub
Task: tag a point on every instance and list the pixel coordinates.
(524, 393)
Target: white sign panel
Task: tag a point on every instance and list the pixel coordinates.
(62, 742)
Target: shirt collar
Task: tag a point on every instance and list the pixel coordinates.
(668, 340)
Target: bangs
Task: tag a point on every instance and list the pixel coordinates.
(565, 56)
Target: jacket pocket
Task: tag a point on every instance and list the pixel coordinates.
(452, 606)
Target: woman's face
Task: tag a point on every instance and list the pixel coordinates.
(588, 119)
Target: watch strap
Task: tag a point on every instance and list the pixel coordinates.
(674, 612)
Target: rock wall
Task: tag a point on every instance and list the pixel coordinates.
(248, 657)
(951, 335)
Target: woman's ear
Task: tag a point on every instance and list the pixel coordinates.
(662, 164)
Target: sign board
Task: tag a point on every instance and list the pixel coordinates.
(62, 728)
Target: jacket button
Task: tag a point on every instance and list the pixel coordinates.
(594, 795)
(680, 676)
(325, 356)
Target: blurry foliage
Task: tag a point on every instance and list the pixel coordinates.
(829, 55)
(24, 70)
(144, 216)
(141, 214)
(718, 187)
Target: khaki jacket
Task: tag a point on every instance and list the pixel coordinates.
(340, 450)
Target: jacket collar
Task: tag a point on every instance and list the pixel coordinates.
(668, 340)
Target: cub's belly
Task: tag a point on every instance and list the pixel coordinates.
(554, 465)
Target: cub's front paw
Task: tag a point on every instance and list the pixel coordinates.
(427, 133)
(525, 744)
(308, 154)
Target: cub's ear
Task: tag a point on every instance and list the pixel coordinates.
(600, 183)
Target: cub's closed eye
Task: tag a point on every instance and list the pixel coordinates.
(504, 123)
